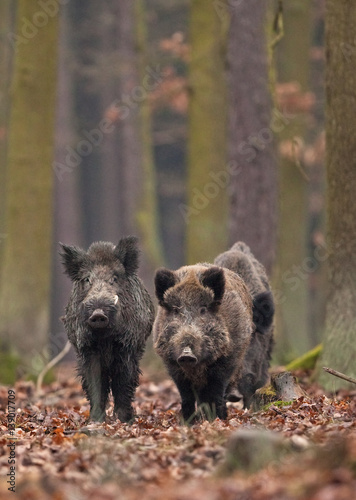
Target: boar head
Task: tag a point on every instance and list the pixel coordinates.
(191, 330)
(100, 278)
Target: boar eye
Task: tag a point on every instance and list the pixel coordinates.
(113, 280)
(203, 310)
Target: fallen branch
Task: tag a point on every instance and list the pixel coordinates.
(340, 375)
(50, 365)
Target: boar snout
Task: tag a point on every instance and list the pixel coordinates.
(98, 319)
(187, 357)
(100, 310)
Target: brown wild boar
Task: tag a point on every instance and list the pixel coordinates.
(256, 363)
(202, 331)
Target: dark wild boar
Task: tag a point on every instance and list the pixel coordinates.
(108, 319)
(255, 368)
(202, 330)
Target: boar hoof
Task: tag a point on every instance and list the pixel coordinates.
(98, 319)
(97, 416)
(125, 415)
(187, 357)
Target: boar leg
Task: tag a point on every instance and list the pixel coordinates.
(96, 386)
(212, 399)
(188, 397)
(123, 386)
(247, 386)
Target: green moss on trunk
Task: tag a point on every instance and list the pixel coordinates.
(290, 279)
(25, 283)
(206, 209)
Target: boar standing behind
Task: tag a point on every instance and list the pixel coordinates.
(108, 319)
(202, 330)
(255, 368)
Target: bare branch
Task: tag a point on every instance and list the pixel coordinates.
(50, 365)
(340, 375)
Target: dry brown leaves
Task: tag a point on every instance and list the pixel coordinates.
(60, 456)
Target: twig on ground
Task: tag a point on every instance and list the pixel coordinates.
(340, 375)
(50, 365)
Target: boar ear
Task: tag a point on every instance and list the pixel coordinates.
(214, 278)
(72, 259)
(128, 253)
(263, 311)
(164, 279)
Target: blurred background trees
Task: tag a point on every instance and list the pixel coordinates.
(190, 124)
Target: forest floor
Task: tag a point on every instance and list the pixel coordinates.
(59, 456)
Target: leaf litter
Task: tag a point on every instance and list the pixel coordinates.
(59, 455)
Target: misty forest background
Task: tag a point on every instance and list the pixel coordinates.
(192, 124)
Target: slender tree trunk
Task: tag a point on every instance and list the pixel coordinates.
(67, 222)
(252, 164)
(137, 188)
(147, 209)
(7, 18)
(25, 285)
(292, 66)
(86, 89)
(131, 152)
(339, 351)
(206, 209)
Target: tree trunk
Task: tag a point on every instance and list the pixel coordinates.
(290, 280)
(7, 18)
(111, 216)
(339, 345)
(67, 220)
(137, 187)
(131, 152)
(87, 79)
(206, 211)
(25, 285)
(147, 209)
(253, 183)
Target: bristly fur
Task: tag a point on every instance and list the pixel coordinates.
(72, 259)
(202, 330)
(128, 253)
(105, 281)
(240, 260)
(164, 279)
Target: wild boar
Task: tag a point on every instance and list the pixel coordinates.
(202, 330)
(108, 319)
(240, 260)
